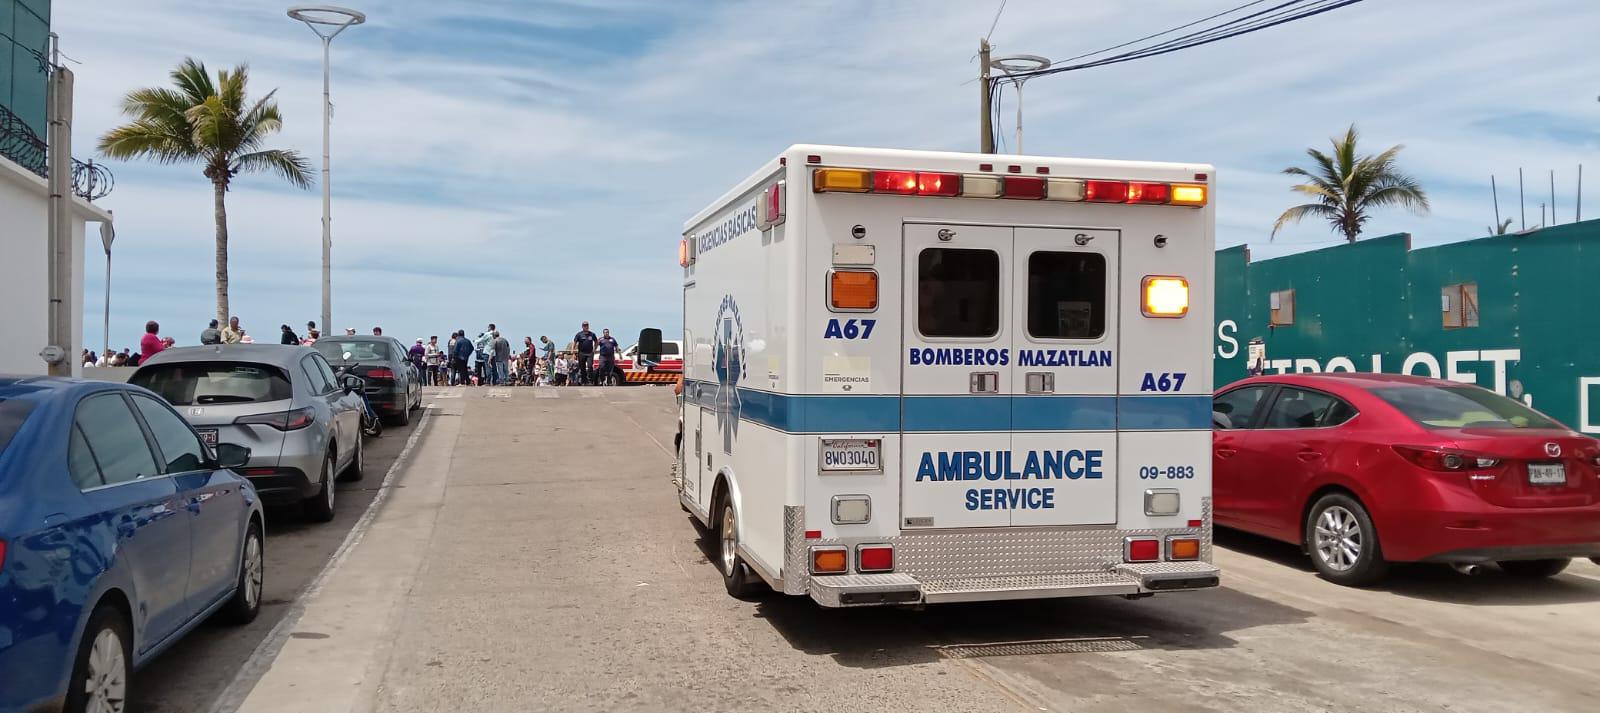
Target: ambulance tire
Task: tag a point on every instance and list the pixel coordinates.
(740, 582)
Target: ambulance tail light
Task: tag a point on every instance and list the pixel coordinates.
(1105, 191)
(1064, 189)
(902, 182)
(1023, 187)
(977, 185)
(830, 559)
(1141, 549)
(1164, 296)
(875, 558)
(1190, 194)
(1183, 549)
(841, 180)
(853, 289)
(938, 184)
(1149, 193)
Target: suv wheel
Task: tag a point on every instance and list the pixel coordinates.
(319, 507)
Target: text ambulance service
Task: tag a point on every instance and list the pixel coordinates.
(914, 377)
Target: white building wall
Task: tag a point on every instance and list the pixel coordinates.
(24, 270)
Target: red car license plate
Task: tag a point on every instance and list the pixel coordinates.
(1547, 474)
(208, 436)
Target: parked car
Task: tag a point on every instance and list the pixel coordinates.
(1366, 469)
(285, 403)
(120, 531)
(393, 386)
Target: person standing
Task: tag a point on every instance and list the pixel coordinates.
(584, 342)
(607, 347)
(482, 345)
(432, 358)
(232, 333)
(377, 331)
(416, 353)
(211, 335)
(150, 344)
(289, 337)
(501, 359)
(312, 335)
(549, 358)
(463, 352)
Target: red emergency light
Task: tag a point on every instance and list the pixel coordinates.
(1105, 191)
(1022, 187)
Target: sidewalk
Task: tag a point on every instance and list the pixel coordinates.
(531, 556)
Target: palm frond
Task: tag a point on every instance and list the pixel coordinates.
(1295, 214)
(293, 167)
(145, 139)
(191, 78)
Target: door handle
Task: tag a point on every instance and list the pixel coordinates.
(1224, 452)
(1308, 455)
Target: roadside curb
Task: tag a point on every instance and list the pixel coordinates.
(238, 689)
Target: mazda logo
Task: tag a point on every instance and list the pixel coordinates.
(1552, 449)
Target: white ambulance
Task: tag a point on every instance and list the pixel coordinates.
(916, 377)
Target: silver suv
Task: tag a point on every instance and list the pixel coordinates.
(284, 403)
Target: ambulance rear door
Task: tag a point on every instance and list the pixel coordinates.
(1065, 329)
(956, 374)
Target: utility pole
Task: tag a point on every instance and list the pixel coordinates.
(986, 141)
(58, 346)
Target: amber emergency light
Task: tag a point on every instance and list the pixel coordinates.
(853, 289)
(1165, 296)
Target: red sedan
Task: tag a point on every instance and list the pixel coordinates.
(1366, 469)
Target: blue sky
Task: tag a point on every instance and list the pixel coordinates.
(531, 162)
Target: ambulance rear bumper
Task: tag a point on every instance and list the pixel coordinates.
(898, 588)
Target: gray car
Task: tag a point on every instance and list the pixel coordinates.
(284, 403)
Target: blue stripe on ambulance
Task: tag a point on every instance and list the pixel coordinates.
(939, 414)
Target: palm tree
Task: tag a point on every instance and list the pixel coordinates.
(1501, 229)
(209, 123)
(1346, 185)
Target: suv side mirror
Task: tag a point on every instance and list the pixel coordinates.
(232, 455)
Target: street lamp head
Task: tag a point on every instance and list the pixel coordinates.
(1020, 64)
(327, 20)
(107, 234)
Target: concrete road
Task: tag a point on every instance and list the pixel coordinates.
(533, 557)
(190, 675)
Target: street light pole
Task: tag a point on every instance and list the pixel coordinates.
(327, 21)
(107, 234)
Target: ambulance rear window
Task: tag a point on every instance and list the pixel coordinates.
(958, 292)
(1066, 295)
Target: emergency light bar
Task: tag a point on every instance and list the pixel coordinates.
(978, 185)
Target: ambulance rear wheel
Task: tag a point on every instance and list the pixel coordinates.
(736, 575)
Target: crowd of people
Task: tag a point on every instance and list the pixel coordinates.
(490, 359)
(486, 360)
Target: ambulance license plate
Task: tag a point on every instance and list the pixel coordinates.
(851, 455)
(1547, 474)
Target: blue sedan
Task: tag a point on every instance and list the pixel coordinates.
(119, 532)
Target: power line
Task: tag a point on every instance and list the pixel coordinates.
(996, 22)
(1261, 20)
(1158, 34)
